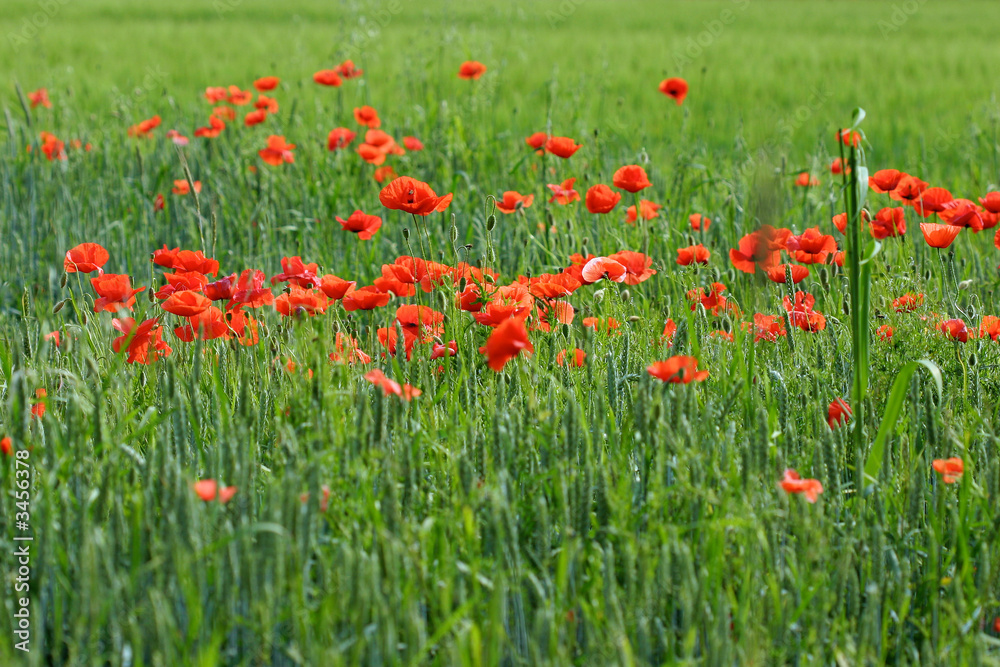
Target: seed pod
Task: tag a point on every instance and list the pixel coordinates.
(626, 295)
(585, 241)
(973, 360)
(62, 281)
(59, 306)
(634, 318)
(491, 222)
(406, 233)
(151, 295)
(927, 274)
(462, 284)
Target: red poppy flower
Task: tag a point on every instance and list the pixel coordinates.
(250, 291)
(413, 196)
(222, 289)
(471, 69)
(956, 329)
(631, 177)
(885, 332)
(347, 70)
(885, 180)
(266, 83)
(991, 202)
(182, 281)
(649, 211)
(40, 97)
(713, 302)
(801, 313)
(939, 236)
(637, 266)
(766, 327)
(696, 254)
(838, 412)
(949, 469)
(346, 350)
(115, 292)
(888, 222)
(182, 187)
(848, 138)
(209, 324)
(675, 88)
(185, 260)
(601, 199)
(371, 154)
(777, 273)
(215, 94)
(186, 304)
(601, 325)
(413, 144)
(564, 193)
(514, 201)
(386, 173)
(811, 246)
(7, 446)
(837, 167)
(301, 301)
(507, 341)
(144, 128)
(963, 213)
(339, 137)
(563, 147)
(367, 116)
(255, 117)
(810, 488)
(931, 200)
(508, 301)
(140, 339)
(38, 407)
(601, 267)
(990, 327)
(365, 298)
(908, 302)
(908, 189)
(697, 220)
(85, 258)
(678, 369)
(56, 338)
(803, 180)
(277, 151)
(576, 359)
(362, 224)
(239, 97)
(383, 142)
(216, 126)
(208, 490)
(327, 77)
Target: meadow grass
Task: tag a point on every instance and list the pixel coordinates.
(545, 514)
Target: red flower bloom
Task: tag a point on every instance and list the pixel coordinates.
(362, 224)
(991, 202)
(255, 117)
(139, 340)
(383, 174)
(885, 180)
(185, 260)
(239, 97)
(838, 412)
(648, 209)
(208, 490)
(888, 222)
(413, 144)
(144, 128)
(601, 267)
(766, 327)
(471, 69)
(848, 138)
(537, 141)
(957, 329)
(215, 94)
(939, 236)
(367, 116)
(632, 178)
(963, 213)
(801, 313)
(908, 189)
(577, 358)
(931, 200)
(811, 246)
(908, 302)
(182, 187)
(7, 446)
(989, 327)
(675, 88)
(885, 332)
(837, 167)
(85, 258)
(696, 254)
(637, 266)
(514, 201)
(601, 199)
(413, 196)
(327, 77)
(266, 83)
(810, 488)
(187, 303)
(563, 147)
(38, 407)
(777, 273)
(115, 292)
(599, 323)
(347, 70)
(697, 220)
(301, 301)
(678, 369)
(949, 469)
(505, 343)
(277, 151)
(564, 193)
(339, 137)
(216, 126)
(40, 97)
(803, 180)
(365, 298)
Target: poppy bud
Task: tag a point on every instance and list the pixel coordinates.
(468, 246)
(586, 240)
(406, 233)
(598, 296)
(973, 360)
(462, 284)
(626, 295)
(491, 222)
(927, 274)
(62, 281)
(549, 218)
(847, 308)
(824, 278)
(634, 318)
(151, 295)
(59, 306)
(965, 284)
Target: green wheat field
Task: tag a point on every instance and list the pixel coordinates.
(283, 384)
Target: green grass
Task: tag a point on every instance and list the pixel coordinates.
(542, 515)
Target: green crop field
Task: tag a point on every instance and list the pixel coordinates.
(312, 413)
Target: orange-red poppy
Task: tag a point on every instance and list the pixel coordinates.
(347, 70)
(698, 221)
(182, 281)
(888, 222)
(793, 483)
(601, 199)
(603, 267)
(939, 236)
(40, 97)
(964, 213)
(209, 324)
(563, 193)
(885, 180)
(576, 357)
(339, 137)
(637, 266)
(838, 412)
(956, 329)
(803, 180)
(886, 332)
(471, 69)
(508, 301)
(991, 202)
(277, 151)
(239, 97)
(187, 303)
(367, 116)
(144, 128)
(413, 144)
(365, 298)
(144, 342)
(266, 83)
(115, 292)
(837, 167)
(215, 128)
(599, 324)
(255, 117)
(362, 224)
(811, 246)
(85, 258)
(931, 200)
(507, 341)
(766, 327)
(327, 77)
(713, 301)
(908, 302)
(696, 254)
(949, 469)
(56, 337)
(648, 209)
(185, 260)
(215, 94)
(679, 369)
(514, 201)
(908, 189)
(208, 490)
(849, 138)
(563, 147)
(7, 446)
(801, 313)
(182, 187)
(537, 141)
(989, 327)
(177, 138)
(301, 301)
(335, 288)
(631, 177)
(675, 88)
(413, 196)
(346, 349)
(778, 274)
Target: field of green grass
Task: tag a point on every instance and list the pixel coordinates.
(543, 514)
